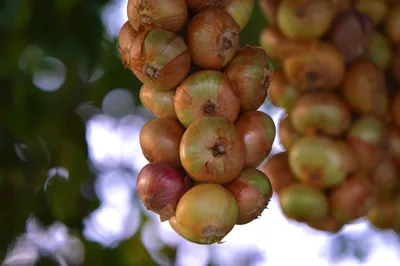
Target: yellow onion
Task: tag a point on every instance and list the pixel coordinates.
(375, 9)
(125, 39)
(159, 58)
(212, 150)
(280, 92)
(250, 74)
(206, 93)
(380, 51)
(240, 11)
(169, 14)
(198, 5)
(213, 38)
(159, 103)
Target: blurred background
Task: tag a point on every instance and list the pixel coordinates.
(70, 119)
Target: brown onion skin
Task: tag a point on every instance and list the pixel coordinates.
(198, 5)
(393, 143)
(206, 93)
(280, 92)
(326, 224)
(206, 214)
(252, 192)
(395, 65)
(396, 108)
(287, 134)
(278, 171)
(249, 73)
(392, 24)
(153, 65)
(384, 214)
(385, 176)
(351, 33)
(168, 14)
(364, 89)
(160, 140)
(160, 186)
(278, 46)
(366, 137)
(240, 11)
(352, 198)
(320, 112)
(159, 103)
(297, 19)
(320, 67)
(258, 132)
(125, 39)
(212, 38)
(212, 150)
(172, 223)
(269, 8)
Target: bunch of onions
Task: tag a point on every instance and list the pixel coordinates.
(159, 58)
(168, 14)
(213, 38)
(125, 39)
(160, 187)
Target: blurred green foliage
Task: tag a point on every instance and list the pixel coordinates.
(46, 122)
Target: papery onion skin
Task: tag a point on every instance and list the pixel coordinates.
(240, 11)
(206, 93)
(160, 140)
(258, 132)
(280, 92)
(160, 186)
(249, 72)
(126, 37)
(212, 38)
(159, 102)
(174, 226)
(159, 58)
(198, 5)
(252, 191)
(278, 171)
(206, 214)
(168, 14)
(212, 150)
(352, 198)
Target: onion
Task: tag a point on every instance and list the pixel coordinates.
(213, 38)
(240, 11)
(280, 92)
(384, 214)
(258, 132)
(168, 14)
(252, 191)
(375, 9)
(212, 150)
(269, 9)
(287, 134)
(160, 186)
(125, 39)
(206, 213)
(395, 66)
(160, 139)
(160, 59)
(174, 226)
(352, 198)
(380, 51)
(278, 46)
(278, 171)
(249, 72)
(396, 108)
(198, 5)
(392, 25)
(206, 93)
(327, 224)
(159, 103)
(385, 176)
(393, 144)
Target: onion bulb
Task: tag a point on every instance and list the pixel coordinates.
(159, 58)
(206, 93)
(125, 39)
(206, 213)
(168, 14)
(278, 171)
(213, 38)
(212, 150)
(258, 132)
(240, 11)
(160, 186)
(250, 74)
(252, 191)
(198, 5)
(160, 139)
(159, 103)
